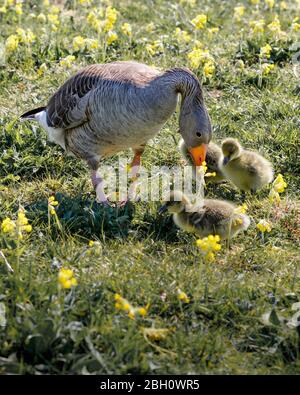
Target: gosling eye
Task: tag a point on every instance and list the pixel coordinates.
(198, 134)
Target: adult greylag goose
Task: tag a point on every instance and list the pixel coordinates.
(247, 170)
(215, 217)
(213, 157)
(108, 108)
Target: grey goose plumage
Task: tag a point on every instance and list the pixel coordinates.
(107, 108)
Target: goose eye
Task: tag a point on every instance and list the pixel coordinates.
(198, 134)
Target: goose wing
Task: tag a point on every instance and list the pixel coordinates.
(68, 107)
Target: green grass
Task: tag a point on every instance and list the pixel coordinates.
(143, 256)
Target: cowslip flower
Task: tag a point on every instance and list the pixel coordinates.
(182, 36)
(93, 21)
(123, 304)
(25, 36)
(295, 25)
(208, 69)
(264, 226)
(18, 9)
(111, 18)
(283, 6)
(8, 225)
(182, 296)
(41, 70)
(270, 3)
(199, 56)
(66, 278)
(156, 46)
(266, 68)
(239, 11)
(213, 30)
(257, 26)
(17, 227)
(275, 26)
(12, 43)
(111, 37)
(67, 61)
(78, 43)
(126, 29)
(265, 52)
(52, 203)
(279, 184)
(255, 2)
(41, 18)
(3, 10)
(199, 21)
(208, 246)
(91, 43)
(274, 196)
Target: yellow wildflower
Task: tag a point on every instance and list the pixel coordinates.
(208, 69)
(111, 37)
(3, 10)
(111, 18)
(67, 61)
(66, 278)
(93, 21)
(18, 9)
(255, 2)
(241, 209)
(182, 296)
(8, 226)
(264, 226)
(274, 196)
(155, 334)
(199, 56)
(123, 304)
(12, 43)
(257, 26)
(275, 26)
(283, 5)
(213, 30)
(78, 43)
(199, 21)
(126, 29)
(41, 18)
(53, 19)
(41, 70)
(91, 43)
(279, 184)
(238, 12)
(266, 68)
(265, 52)
(156, 46)
(208, 245)
(52, 203)
(84, 2)
(295, 26)
(270, 3)
(182, 36)
(150, 27)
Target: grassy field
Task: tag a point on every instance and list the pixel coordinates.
(242, 309)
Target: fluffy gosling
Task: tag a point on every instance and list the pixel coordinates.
(213, 157)
(247, 170)
(216, 217)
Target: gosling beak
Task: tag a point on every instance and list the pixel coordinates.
(162, 209)
(198, 154)
(225, 160)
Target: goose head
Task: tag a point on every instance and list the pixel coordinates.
(232, 149)
(175, 204)
(195, 129)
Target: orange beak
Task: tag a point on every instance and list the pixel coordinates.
(198, 154)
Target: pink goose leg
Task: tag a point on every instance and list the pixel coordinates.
(99, 188)
(135, 165)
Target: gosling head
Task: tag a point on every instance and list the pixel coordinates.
(176, 203)
(232, 149)
(195, 127)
